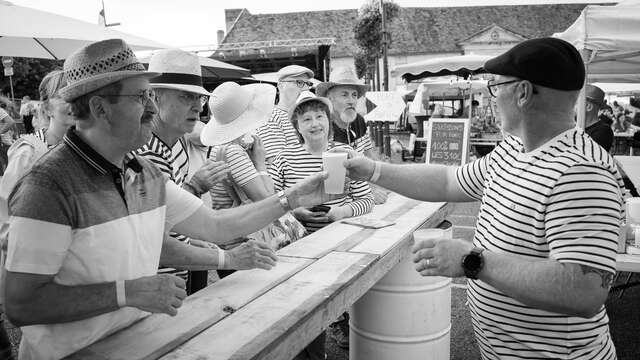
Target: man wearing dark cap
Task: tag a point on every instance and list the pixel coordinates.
(278, 132)
(599, 129)
(544, 252)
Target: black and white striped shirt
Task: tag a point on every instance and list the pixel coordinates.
(562, 201)
(295, 163)
(277, 133)
(174, 163)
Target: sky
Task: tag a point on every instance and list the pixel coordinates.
(184, 23)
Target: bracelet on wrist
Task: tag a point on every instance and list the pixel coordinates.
(221, 258)
(121, 296)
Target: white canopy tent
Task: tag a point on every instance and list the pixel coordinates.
(608, 39)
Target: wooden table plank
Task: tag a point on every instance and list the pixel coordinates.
(335, 235)
(382, 240)
(630, 165)
(628, 262)
(158, 333)
(254, 332)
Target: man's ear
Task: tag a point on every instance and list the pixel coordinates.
(525, 93)
(98, 107)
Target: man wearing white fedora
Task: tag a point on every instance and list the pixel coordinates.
(87, 223)
(179, 96)
(278, 132)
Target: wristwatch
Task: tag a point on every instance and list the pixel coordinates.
(284, 201)
(472, 263)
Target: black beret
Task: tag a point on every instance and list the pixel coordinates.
(549, 62)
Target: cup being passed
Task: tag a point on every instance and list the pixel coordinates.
(333, 164)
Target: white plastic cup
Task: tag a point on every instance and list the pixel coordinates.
(333, 163)
(633, 211)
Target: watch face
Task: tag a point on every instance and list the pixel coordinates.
(472, 261)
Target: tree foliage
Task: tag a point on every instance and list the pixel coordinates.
(27, 74)
(368, 34)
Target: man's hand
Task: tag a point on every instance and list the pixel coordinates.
(211, 173)
(249, 255)
(156, 294)
(440, 257)
(358, 167)
(309, 191)
(305, 215)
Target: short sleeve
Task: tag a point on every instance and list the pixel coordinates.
(472, 176)
(364, 143)
(40, 230)
(180, 204)
(272, 137)
(276, 171)
(240, 165)
(583, 217)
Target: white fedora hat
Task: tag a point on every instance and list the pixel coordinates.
(341, 76)
(237, 110)
(178, 70)
(99, 64)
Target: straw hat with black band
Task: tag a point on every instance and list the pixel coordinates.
(179, 70)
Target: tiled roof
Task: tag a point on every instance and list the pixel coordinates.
(415, 30)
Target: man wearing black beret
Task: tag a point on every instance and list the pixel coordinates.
(544, 251)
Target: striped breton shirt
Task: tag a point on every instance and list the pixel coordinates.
(562, 201)
(83, 220)
(241, 169)
(277, 133)
(295, 163)
(174, 163)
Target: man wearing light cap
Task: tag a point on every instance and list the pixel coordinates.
(179, 95)
(544, 252)
(598, 129)
(278, 132)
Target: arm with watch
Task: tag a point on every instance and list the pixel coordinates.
(563, 287)
(221, 227)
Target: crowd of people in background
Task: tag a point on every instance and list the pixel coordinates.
(117, 177)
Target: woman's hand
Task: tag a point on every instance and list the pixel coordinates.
(339, 212)
(305, 215)
(257, 154)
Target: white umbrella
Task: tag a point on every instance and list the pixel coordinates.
(442, 66)
(27, 32)
(212, 68)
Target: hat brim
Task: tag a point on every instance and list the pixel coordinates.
(323, 100)
(323, 88)
(188, 88)
(257, 114)
(88, 85)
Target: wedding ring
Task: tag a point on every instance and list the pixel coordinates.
(428, 262)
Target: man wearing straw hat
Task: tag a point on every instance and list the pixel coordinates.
(278, 132)
(599, 130)
(87, 223)
(543, 255)
(179, 96)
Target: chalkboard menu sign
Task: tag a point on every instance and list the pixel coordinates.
(447, 141)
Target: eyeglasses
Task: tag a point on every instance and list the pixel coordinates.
(300, 83)
(189, 98)
(144, 97)
(491, 85)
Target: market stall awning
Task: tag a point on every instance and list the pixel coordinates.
(462, 65)
(608, 37)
